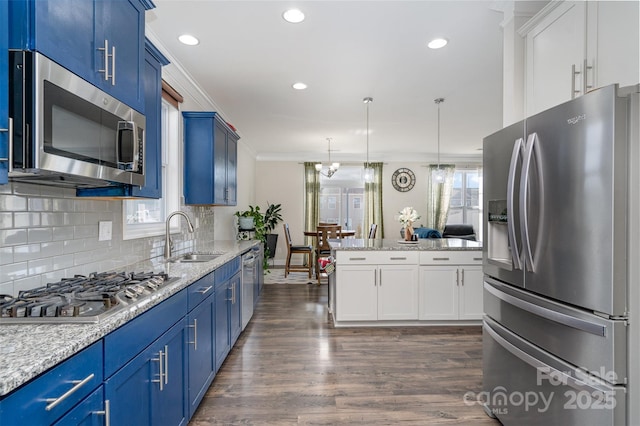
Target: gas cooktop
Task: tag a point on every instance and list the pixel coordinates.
(81, 299)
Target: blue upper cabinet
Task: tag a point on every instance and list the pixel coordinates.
(210, 160)
(101, 41)
(152, 85)
(4, 96)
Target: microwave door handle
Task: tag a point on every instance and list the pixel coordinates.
(511, 226)
(524, 204)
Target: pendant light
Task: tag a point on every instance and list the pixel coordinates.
(368, 170)
(333, 167)
(439, 174)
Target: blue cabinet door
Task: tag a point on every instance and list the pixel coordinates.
(222, 345)
(169, 403)
(90, 412)
(122, 26)
(201, 349)
(151, 388)
(4, 89)
(235, 308)
(210, 157)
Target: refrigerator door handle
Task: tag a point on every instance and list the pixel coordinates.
(516, 257)
(524, 204)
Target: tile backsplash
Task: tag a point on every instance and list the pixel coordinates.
(47, 233)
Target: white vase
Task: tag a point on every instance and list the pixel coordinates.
(245, 223)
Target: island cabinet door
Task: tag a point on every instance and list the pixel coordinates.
(356, 293)
(397, 292)
(439, 287)
(471, 293)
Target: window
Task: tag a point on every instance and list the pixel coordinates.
(341, 198)
(146, 217)
(466, 199)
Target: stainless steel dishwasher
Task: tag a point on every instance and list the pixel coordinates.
(249, 265)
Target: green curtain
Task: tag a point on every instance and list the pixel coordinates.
(439, 196)
(311, 198)
(373, 201)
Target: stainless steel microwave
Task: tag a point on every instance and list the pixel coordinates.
(67, 132)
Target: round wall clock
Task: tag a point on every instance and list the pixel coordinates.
(403, 180)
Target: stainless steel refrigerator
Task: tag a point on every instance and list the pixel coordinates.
(561, 231)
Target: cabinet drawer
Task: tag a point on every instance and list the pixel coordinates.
(376, 257)
(130, 339)
(450, 257)
(200, 290)
(55, 392)
(228, 270)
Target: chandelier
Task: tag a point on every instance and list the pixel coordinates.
(368, 170)
(333, 167)
(439, 174)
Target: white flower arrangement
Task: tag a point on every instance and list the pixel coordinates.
(407, 216)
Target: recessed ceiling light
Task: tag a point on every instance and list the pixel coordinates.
(299, 86)
(189, 40)
(437, 43)
(293, 16)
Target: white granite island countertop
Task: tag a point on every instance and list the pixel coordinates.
(423, 244)
(27, 350)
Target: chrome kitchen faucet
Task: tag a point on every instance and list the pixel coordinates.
(168, 244)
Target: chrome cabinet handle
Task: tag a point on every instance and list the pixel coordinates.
(397, 258)
(54, 402)
(105, 49)
(457, 277)
(462, 279)
(204, 290)
(585, 69)
(573, 81)
(166, 364)
(477, 258)
(195, 334)
(106, 413)
(113, 65)
(357, 258)
(380, 272)
(161, 370)
(440, 258)
(9, 159)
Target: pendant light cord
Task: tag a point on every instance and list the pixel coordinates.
(438, 101)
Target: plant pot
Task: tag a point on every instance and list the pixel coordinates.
(270, 245)
(245, 223)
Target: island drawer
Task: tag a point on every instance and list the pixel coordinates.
(376, 257)
(454, 257)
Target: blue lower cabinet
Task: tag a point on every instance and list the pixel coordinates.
(50, 396)
(151, 389)
(90, 412)
(223, 341)
(235, 308)
(201, 349)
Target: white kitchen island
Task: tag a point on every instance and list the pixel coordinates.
(388, 282)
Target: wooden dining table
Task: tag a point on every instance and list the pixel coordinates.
(343, 233)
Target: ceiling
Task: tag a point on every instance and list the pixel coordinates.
(249, 57)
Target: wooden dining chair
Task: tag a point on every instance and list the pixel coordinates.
(306, 251)
(372, 230)
(323, 250)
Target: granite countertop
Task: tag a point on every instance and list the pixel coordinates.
(26, 350)
(423, 244)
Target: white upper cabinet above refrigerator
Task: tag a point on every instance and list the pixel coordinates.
(573, 47)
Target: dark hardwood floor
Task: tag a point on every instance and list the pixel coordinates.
(291, 366)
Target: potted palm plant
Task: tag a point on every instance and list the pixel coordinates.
(272, 217)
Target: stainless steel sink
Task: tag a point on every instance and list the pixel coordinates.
(195, 257)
